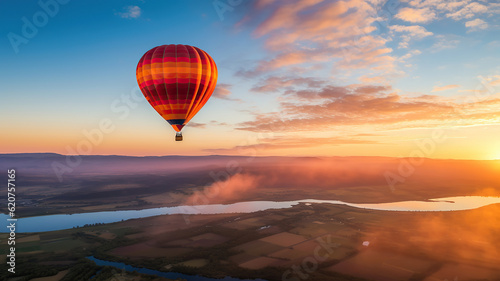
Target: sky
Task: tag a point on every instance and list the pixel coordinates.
(407, 78)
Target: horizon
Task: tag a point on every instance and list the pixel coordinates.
(262, 156)
(320, 78)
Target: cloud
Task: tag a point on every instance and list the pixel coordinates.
(412, 32)
(494, 80)
(291, 178)
(493, 44)
(131, 12)
(475, 25)
(372, 79)
(424, 11)
(223, 91)
(468, 11)
(409, 55)
(234, 188)
(416, 15)
(276, 143)
(328, 91)
(197, 125)
(456, 9)
(217, 123)
(371, 105)
(445, 42)
(276, 83)
(339, 33)
(444, 88)
(342, 36)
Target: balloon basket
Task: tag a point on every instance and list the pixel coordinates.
(178, 136)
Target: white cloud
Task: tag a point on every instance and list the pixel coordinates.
(468, 11)
(445, 42)
(476, 24)
(131, 12)
(410, 54)
(422, 11)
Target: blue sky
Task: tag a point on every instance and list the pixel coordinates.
(401, 69)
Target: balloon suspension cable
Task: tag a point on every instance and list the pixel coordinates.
(178, 136)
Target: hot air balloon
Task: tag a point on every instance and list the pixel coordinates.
(177, 80)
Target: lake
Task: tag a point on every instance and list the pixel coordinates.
(66, 221)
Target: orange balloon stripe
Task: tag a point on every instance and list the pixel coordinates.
(196, 80)
(159, 88)
(201, 89)
(206, 69)
(146, 91)
(209, 87)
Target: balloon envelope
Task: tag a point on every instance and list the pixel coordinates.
(177, 80)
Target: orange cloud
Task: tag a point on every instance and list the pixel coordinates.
(276, 83)
(298, 32)
(416, 15)
(444, 88)
(303, 177)
(234, 188)
(291, 143)
(495, 80)
(343, 33)
(333, 106)
(373, 79)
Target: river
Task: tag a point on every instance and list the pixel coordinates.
(66, 221)
(170, 275)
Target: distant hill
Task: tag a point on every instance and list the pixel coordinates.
(53, 182)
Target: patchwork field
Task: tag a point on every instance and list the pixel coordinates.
(381, 266)
(338, 242)
(284, 239)
(143, 250)
(56, 277)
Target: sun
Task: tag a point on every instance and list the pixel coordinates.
(496, 156)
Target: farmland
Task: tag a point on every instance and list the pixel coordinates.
(269, 244)
(307, 241)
